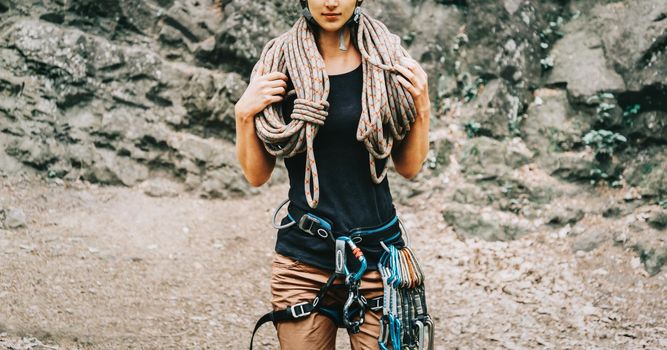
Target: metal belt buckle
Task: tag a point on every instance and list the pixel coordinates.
(375, 304)
(310, 221)
(302, 311)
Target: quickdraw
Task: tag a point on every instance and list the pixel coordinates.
(405, 321)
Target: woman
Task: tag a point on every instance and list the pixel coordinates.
(350, 198)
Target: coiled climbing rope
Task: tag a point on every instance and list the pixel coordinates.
(387, 110)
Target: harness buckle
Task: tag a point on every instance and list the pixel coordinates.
(302, 312)
(313, 226)
(375, 304)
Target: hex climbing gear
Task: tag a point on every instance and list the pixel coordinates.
(405, 323)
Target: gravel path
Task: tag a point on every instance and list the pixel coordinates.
(110, 267)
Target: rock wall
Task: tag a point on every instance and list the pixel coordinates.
(547, 115)
(115, 92)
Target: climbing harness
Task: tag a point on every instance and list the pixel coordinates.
(387, 111)
(405, 322)
(351, 315)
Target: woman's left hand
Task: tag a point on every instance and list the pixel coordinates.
(416, 83)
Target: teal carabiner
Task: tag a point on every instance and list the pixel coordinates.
(384, 332)
(341, 267)
(395, 332)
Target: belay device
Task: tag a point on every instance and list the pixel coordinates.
(405, 323)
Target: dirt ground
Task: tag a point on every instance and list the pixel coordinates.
(110, 267)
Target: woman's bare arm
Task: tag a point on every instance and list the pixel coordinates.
(256, 162)
(409, 155)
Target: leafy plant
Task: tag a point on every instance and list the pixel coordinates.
(548, 36)
(663, 203)
(602, 112)
(596, 99)
(606, 102)
(604, 142)
(472, 128)
(470, 91)
(547, 63)
(551, 33)
(598, 174)
(629, 113)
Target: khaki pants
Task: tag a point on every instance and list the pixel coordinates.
(294, 282)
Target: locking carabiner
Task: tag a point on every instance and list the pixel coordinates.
(354, 298)
(341, 267)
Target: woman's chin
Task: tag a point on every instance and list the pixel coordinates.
(331, 26)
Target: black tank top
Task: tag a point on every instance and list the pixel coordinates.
(348, 195)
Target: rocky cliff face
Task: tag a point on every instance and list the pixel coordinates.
(548, 115)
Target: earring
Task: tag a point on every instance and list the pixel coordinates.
(341, 42)
(356, 16)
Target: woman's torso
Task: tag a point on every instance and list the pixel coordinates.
(348, 196)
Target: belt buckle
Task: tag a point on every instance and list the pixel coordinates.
(307, 219)
(375, 304)
(301, 312)
(311, 220)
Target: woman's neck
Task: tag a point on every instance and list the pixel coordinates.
(335, 59)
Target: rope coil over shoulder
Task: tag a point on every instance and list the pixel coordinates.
(387, 107)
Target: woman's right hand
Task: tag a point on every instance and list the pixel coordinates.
(262, 91)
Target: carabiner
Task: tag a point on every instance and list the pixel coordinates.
(384, 332)
(395, 332)
(420, 334)
(340, 256)
(428, 324)
(354, 297)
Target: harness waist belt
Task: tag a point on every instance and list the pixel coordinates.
(321, 227)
